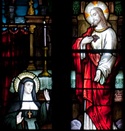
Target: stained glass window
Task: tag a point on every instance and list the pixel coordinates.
(38, 51)
(26, 61)
(97, 73)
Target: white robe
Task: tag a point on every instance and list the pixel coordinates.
(107, 40)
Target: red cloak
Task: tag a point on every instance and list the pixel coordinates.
(98, 97)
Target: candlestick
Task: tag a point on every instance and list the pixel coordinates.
(45, 49)
(45, 72)
(44, 32)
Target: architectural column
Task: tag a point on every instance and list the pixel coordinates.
(31, 62)
(31, 29)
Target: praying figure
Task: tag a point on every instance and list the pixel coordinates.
(26, 112)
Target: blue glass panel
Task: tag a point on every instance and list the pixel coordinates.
(73, 77)
(119, 80)
(3, 29)
(19, 20)
(36, 12)
(35, 4)
(21, 10)
(3, 19)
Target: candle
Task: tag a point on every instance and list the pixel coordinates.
(44, 33)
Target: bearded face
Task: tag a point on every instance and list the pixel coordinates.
(95, 18)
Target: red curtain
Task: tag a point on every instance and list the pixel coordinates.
(15, 54)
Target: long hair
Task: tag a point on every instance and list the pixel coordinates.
(101, 15)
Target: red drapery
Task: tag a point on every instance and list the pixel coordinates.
(14, 52)
(98, 97)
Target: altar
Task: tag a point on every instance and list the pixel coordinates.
(46, 82)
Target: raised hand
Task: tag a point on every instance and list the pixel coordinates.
(46, 95)
(19, 118)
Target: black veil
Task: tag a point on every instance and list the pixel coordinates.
(18, 102)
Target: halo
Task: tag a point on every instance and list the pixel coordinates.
(29, 75)
(92, 4)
